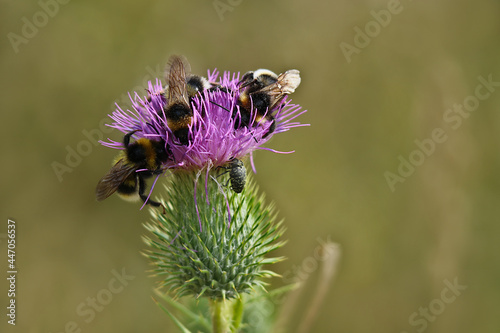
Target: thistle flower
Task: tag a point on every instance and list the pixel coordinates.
(210, 241)
(214, 138)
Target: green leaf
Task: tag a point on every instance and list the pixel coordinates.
(174, 319)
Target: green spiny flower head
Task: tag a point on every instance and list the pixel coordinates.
(212, 241)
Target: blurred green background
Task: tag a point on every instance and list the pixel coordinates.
(398, 247)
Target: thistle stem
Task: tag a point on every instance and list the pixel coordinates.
(220, 316)
(237, 314)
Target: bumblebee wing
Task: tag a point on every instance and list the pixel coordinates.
(286, 84)
(176, 75)
(289, 81)
(110, 182)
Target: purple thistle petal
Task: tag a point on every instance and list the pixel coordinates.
(276, 151)
(150, 191)
(252, 164)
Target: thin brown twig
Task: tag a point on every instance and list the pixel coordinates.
(328, 271)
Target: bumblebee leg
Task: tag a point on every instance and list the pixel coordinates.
(142, 187)
(150, 125)
(271, 129)
(126, 138)
(153, 203)
(144, 198)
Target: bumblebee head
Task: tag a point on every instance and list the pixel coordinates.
(196, 84)
(258, 79)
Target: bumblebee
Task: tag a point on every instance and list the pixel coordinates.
(263, 91)
(178, 110)
(237, 174)
(182, 87)
(140, 160)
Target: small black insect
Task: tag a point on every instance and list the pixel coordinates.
(237, 174)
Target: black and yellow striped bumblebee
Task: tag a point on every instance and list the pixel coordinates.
(182, 87)
(180, 90)
(139, 161)
(178, 111)
(262, 91)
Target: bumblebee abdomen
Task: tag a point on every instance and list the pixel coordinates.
(180, 123)
(128, 189)
(261, 101)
